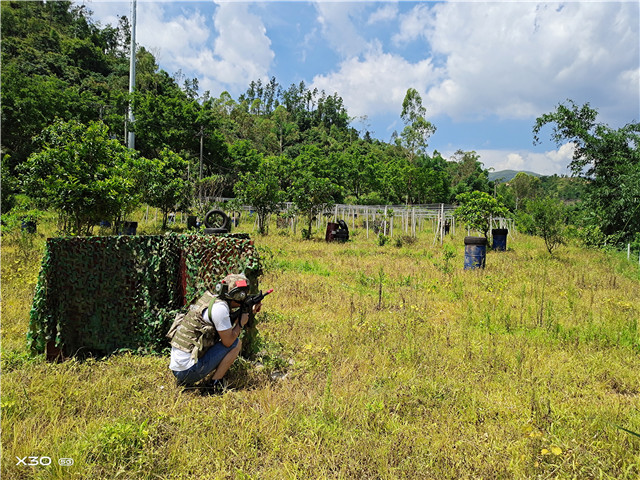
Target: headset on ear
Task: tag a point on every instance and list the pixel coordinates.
(221, 288)
(238, 293)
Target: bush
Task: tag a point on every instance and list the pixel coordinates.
(404, 240)
(549, 220)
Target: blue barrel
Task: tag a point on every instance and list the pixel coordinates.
(475, 252)
(499, 238)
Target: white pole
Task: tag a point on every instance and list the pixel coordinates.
(131, 141)
(385, 221)
(441, 223)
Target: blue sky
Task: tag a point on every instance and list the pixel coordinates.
(485, 70)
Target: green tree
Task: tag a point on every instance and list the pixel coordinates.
(165, 184)
(525, 187)
(261, 190)
(477, 209)
(609, 159)
(431, 181)
(56, 63)
(311, 196)
(467, 173)
(286, 131)
(81, 173)
(549, 221)
(417, 129)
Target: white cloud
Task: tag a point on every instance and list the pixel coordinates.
(545, 163)
(510, 59)
(377, 83)
(383, 14)
(242, 49)
(338, 29)
(183, 37)
(225, 51)
(413, 25)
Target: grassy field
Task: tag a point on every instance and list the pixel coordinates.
(376, 362)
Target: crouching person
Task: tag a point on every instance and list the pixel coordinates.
(204, 342)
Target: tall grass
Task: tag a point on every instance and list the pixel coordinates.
(376, 362)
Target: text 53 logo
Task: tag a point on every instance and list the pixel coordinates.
(42, 461)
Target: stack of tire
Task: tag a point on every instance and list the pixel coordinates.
(337, 231)
(216, 221)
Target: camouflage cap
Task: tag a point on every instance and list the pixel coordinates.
(237, 287)
(233, 279)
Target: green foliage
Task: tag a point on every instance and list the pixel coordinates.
(57, 63)
(382, 239)
(525, 187)
(261, 190)
(609, 159)
(467, 174)
(119, 444)
(476, 210)
(549, 221)
(311, 196)
(417, 129)
(81, 173)
(164, 184)
(9, 186)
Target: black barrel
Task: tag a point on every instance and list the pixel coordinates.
(475, 252)
(499, 236)
(128, 228)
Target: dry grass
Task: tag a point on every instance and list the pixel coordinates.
(395, 363)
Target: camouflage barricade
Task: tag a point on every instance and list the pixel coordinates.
(98, 295)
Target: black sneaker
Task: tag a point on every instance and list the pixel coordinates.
(213, 387)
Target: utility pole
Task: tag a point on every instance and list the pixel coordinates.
(201, 134)
(131, 140)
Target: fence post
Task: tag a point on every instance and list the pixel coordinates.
(385, 221)
(367, 223)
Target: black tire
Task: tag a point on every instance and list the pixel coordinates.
(475, 241)
(499, 231)
(217, 219)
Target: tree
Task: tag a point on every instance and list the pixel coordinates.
(311, 196)
(476, 210)
(608, 158)
(285, 130)
(549, 221)
(81, 173)
(165, 185)
(261, 190)
(417, 129)
(467, 173)
(525, 187)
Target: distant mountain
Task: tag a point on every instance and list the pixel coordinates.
(508, 175)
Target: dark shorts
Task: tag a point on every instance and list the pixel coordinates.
(207, 364)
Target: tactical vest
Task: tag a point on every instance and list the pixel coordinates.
(190, 333)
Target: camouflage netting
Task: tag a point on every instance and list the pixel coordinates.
(97, 295)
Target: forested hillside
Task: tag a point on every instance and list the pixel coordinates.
(58, 64)
(65, 83)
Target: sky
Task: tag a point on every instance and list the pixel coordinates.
(484, 70)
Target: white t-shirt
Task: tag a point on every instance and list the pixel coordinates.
(180, 360)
